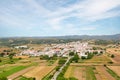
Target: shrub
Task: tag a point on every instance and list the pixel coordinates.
(112, 56)
(3, 78)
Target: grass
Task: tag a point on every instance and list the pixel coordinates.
(6, 60)
(51, 62)
(69, 72)
(12, 70)
(98, 59)
(24, 78)
(90, 73)
(113, 74)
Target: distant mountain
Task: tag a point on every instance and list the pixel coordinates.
(102, 37)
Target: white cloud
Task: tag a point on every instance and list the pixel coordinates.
(87, 10)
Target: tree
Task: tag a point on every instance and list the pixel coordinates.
(0, 60)
(2, 54)
(44, 57)
(11, 55)
(75, 58)
(90, 55)
(71, 54)
(112, 56)
(61, 61)
(96, 52)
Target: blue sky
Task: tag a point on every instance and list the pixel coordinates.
(59, 17)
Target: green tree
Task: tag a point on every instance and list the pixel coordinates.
(61, 61)
(44, 57)
(112, 56)
(71, 54)
(90, 55)
(0, 60)
(75, 58)
(11, 55)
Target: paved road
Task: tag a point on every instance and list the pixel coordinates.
(58, 72)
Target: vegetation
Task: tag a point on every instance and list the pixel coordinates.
(44, 57)
(71, 54)
(113, 73)
(90, 55)
(12, 70)
(90, 73)
(61, 61)
(24, 78)
(75, 58)
(3, 78)
(112, 56)
(61, 75)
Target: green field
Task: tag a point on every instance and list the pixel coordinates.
(90, 73)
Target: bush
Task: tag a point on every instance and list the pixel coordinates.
(0, 60)
(75, 58)
(57, 68)
(72, 78)
(3, 78)
(61, 61)
(112, 56)
(83, 57)
(90, 55)
(110, 62)
(71, 54)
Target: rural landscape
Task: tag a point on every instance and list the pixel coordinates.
(59, 39)
(71, 59)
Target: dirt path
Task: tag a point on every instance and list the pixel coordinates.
(103, 74)
(13, 76)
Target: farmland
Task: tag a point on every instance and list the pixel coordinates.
(77, 72)
(39, 72)
(103, 65)
(115, 69)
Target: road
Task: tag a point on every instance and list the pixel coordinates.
(60, 70)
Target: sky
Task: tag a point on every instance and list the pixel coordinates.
(28, 18)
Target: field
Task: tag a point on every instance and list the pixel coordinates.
(39, 72)
(115, 69)
(98, 59)
(102, 74)
(77, 72)
(10, 70)
(81, 72)
(116, 52)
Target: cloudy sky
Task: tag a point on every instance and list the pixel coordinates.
(59, 17)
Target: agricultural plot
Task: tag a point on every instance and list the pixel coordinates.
(116, 52)
(6, 71)
(77, 72)
(102, 74)
(39, 72)
(99, 59)
(90, 75)
(15, 75)
(115, 69)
